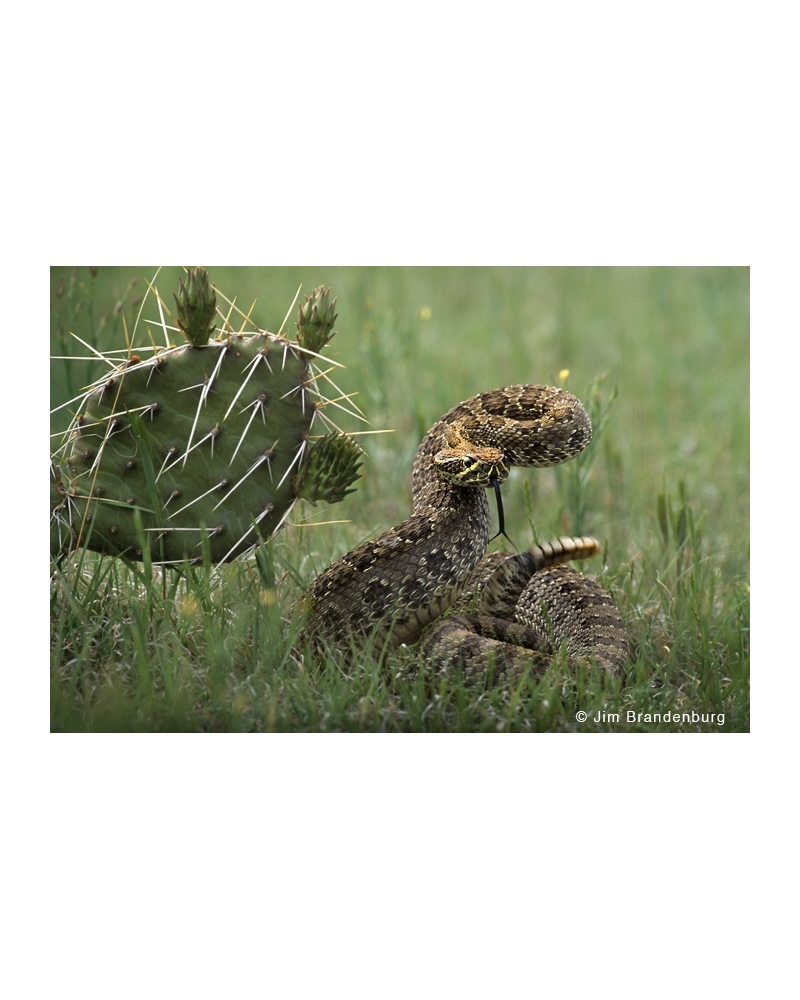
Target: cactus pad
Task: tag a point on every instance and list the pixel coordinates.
(202, 446)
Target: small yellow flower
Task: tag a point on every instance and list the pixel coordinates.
(240, 702)
(563, 374)
(425, 313)
(187, 604)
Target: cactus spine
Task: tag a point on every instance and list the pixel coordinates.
(203, 446)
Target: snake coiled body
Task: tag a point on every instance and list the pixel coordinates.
(387, 590)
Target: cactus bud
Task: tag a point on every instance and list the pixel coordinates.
(315, 320)
(331, 466)
(197, 307)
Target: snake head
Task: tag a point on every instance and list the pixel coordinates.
(473, 466)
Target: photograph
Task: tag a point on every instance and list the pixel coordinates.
(400, 499)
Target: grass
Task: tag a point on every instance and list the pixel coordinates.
(659, 356)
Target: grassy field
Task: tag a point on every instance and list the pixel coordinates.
(659, 355)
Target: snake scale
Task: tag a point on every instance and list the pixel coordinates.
(387, 590)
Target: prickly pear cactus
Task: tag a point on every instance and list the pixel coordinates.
(203, 446)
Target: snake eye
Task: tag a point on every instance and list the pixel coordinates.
(468, 462)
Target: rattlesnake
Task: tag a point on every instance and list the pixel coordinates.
(386, 591)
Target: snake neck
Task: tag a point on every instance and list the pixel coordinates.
(459, 513)
(449, 506)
